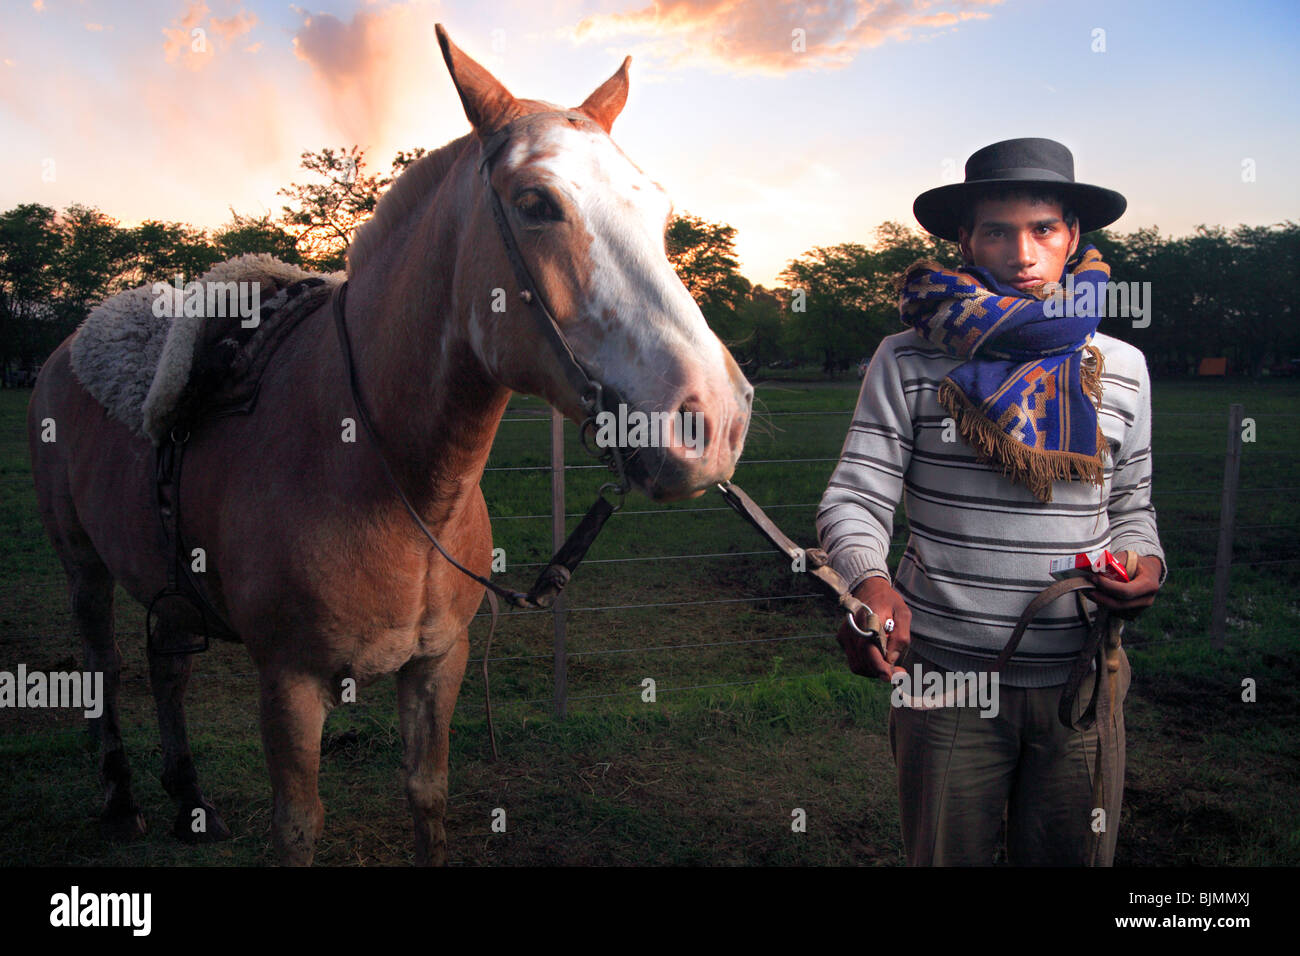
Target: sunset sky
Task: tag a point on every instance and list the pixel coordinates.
(107, 103)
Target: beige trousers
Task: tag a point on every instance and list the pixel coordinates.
(958, 772)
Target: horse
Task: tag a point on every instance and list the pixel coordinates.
(313, 558)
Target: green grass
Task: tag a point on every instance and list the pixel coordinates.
(707, 774)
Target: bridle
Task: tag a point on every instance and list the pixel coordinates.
(591, 393)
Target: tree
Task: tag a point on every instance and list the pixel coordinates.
(94, 263)
(764, 314)
(161, 250)
(31, 242)
(324, 215)
(244, 234)
(704, 257)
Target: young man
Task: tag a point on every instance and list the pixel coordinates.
(1013, 434)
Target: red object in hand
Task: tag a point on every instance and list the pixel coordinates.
(1103, 563)
(1111, 568)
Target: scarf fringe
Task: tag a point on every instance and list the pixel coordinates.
(1034, 468)
(1090, 374)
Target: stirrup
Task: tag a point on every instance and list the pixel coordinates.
(150, 625)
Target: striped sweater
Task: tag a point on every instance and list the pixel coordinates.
(979, 545)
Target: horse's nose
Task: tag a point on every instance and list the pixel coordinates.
(740, 420)
(707, 433)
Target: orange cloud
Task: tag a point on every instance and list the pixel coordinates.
(180, 36)
(235, 26)
(189, 34)
(376, 72)
(772, 36)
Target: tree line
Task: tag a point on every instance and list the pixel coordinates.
(1213, 293)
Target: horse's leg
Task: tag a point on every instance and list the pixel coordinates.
(426, 697)
(169, 675)
(91, 588)
(293, 709)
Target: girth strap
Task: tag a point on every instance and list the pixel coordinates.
(181, 582)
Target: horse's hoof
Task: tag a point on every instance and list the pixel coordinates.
(123, 827)
(200, 824)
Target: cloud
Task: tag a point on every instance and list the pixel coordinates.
(180, 36)
(189, 34)
(772, 36)
(234, 26)
(376, 71)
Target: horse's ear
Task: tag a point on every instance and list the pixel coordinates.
(606, 103)
(488, 104)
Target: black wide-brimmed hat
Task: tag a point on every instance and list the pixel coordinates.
(1018, 162)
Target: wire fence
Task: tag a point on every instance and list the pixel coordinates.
(1220, 521)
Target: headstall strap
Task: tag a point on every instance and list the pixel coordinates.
(553, 578)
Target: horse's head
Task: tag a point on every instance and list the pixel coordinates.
(589, 226)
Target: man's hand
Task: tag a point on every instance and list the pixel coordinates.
(1127, 599)
(864, 654)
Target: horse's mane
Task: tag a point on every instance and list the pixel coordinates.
(414, 184)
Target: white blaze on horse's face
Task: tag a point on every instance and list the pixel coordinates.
(591, 226)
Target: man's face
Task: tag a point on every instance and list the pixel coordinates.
(1022, 242)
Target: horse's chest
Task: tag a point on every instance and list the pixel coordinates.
(425, 610)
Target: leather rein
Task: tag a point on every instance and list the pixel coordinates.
(591, 392)
(553, 579)
(1100, 650)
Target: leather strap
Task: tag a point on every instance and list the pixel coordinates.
(553, 577)
(181, 583)
(583, 383)
(1100, 651)
(817, 562)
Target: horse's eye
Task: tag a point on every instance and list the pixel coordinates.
(534, 205)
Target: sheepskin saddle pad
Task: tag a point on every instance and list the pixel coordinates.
(160, 355)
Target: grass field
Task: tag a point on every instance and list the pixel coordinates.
(756, 713)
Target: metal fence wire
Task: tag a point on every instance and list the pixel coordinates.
(1220, 521)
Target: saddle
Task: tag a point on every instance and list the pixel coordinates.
(163, 369)
(155, 363)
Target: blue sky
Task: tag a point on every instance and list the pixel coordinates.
(107, 104)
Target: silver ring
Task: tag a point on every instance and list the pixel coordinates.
(854, 624)
(889, 625)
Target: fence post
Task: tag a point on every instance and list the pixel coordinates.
(557, 539)
(1227, 517)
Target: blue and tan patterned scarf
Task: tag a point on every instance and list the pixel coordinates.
(1026, 399)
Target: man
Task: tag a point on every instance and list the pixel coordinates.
(1013, 434)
